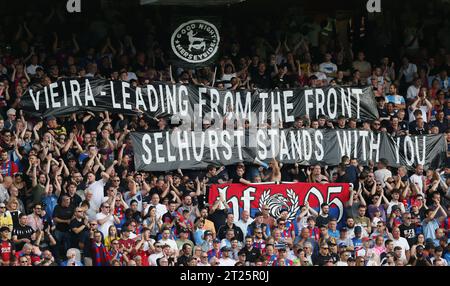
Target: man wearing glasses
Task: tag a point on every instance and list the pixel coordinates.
(5, 218)
(34, 220)
(79, 229)
(407, 229)
(203, 260)
(106, 217)
(323, 256)
(158, 254)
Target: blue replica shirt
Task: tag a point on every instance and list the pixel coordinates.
(334, 234)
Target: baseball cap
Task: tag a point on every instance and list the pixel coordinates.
(395, 208)
(344, 229)
(208, 232)
(225, 248)
(2, 205)
(4, 228)
(419, 247)
(342, 245)
(216, 240)
(358, 229)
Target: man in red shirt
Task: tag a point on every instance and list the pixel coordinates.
(7, 167)
(6, 247)
(126, 243)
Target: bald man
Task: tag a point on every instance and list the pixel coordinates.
(244, 222)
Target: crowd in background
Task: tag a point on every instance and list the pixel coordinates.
(70, 195)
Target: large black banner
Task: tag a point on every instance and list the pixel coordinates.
(162, 151)
(67, 96)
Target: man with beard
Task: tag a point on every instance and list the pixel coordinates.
(324, 217)
(251, 253)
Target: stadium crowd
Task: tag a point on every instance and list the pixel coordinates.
(70, 195)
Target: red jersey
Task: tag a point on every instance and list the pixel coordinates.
(6, 251)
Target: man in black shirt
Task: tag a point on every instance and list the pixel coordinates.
(62, 215)
(230, 225)
(79, 229)
(324, 217)
(323, 257)
(407, 230)
(420, 259)
(22, 233)
(251, 253)
(262, 79)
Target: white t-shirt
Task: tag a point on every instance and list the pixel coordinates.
(104, 227)
(412, 92)
(418, 180)
(409, 72)
(169, 242)
(403, 243)
(152, 258)
(98, 193)
(160, 210)
(227, 262)
(424, 110)
(244, 225)
(137, 197)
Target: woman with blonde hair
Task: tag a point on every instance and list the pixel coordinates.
(13, 208)
(112, 235)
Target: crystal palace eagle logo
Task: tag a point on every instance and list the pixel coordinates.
(277, 202)
(196, 41)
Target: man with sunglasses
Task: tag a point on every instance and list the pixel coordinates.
(34, 220)
(79, 229)
(407, 229)
(106, 217)
(323, 256)
(157, 254)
